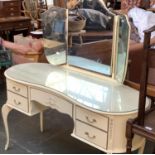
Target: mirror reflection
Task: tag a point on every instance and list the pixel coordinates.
(90, 37)
(87, 35)
(55, 35)
(122, 52)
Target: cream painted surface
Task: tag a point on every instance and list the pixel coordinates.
(17, 88)
(51, 100)
(92, 118)
(17, 101)
(98, 94)
(91, 134)
(99, 108)
(116, 134)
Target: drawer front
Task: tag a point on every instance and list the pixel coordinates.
(92, 118)
(22, 24)
(17, 88)
(5, 26)
(17, 101)
(14, 8)
(15, 25)
(7, 13)
(91, 134)
(52, 101)
(11, 3)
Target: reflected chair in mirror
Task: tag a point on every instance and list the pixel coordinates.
(31, 10)
(144, 124)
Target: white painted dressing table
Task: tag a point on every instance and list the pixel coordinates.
(99, 106)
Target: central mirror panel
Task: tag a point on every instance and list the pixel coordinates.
(90, 36)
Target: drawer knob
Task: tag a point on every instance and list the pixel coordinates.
(88, 135)
(16, 89)
(12, 14)
(90, 121)
(17, 103)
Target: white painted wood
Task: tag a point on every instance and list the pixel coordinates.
(17, 88)
(17, 101)
(52, 101)
(91, 134)
(80, 96)
(92, 118)
(95, 93)
(5, 112)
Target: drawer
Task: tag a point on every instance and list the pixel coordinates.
(52, 101)
(91, 134)
(11, 13)
(11, 3)
(21, 24)
(17, 88)
(92, 118)
(14, 8)
(17, 101)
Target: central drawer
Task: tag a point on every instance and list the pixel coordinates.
(92, 118)
(52, 101)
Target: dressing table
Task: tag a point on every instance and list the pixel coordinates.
(99, 105)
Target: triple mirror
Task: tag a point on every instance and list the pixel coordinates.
(88, 36)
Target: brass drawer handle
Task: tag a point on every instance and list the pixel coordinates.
(17, 103)
(90, 121)
(16, 89)
(12, 14)
(90, 137)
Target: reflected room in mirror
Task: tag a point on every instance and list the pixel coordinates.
(87, 35)
(90, 37)
(55, 33)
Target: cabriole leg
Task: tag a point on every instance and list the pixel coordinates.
(5, 112)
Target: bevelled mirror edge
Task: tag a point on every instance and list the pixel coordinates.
(122, 49)
(55, 34)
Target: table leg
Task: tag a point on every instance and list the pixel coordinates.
(5, 112)
(41, 122)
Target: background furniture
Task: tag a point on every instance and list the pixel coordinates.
(144, 124)
(136, 48)
(10, 8)
(11, 20)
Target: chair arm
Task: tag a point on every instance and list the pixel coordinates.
(150, 30)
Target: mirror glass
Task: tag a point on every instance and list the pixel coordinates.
(90, 36)
(55, 34)
(122, 52)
